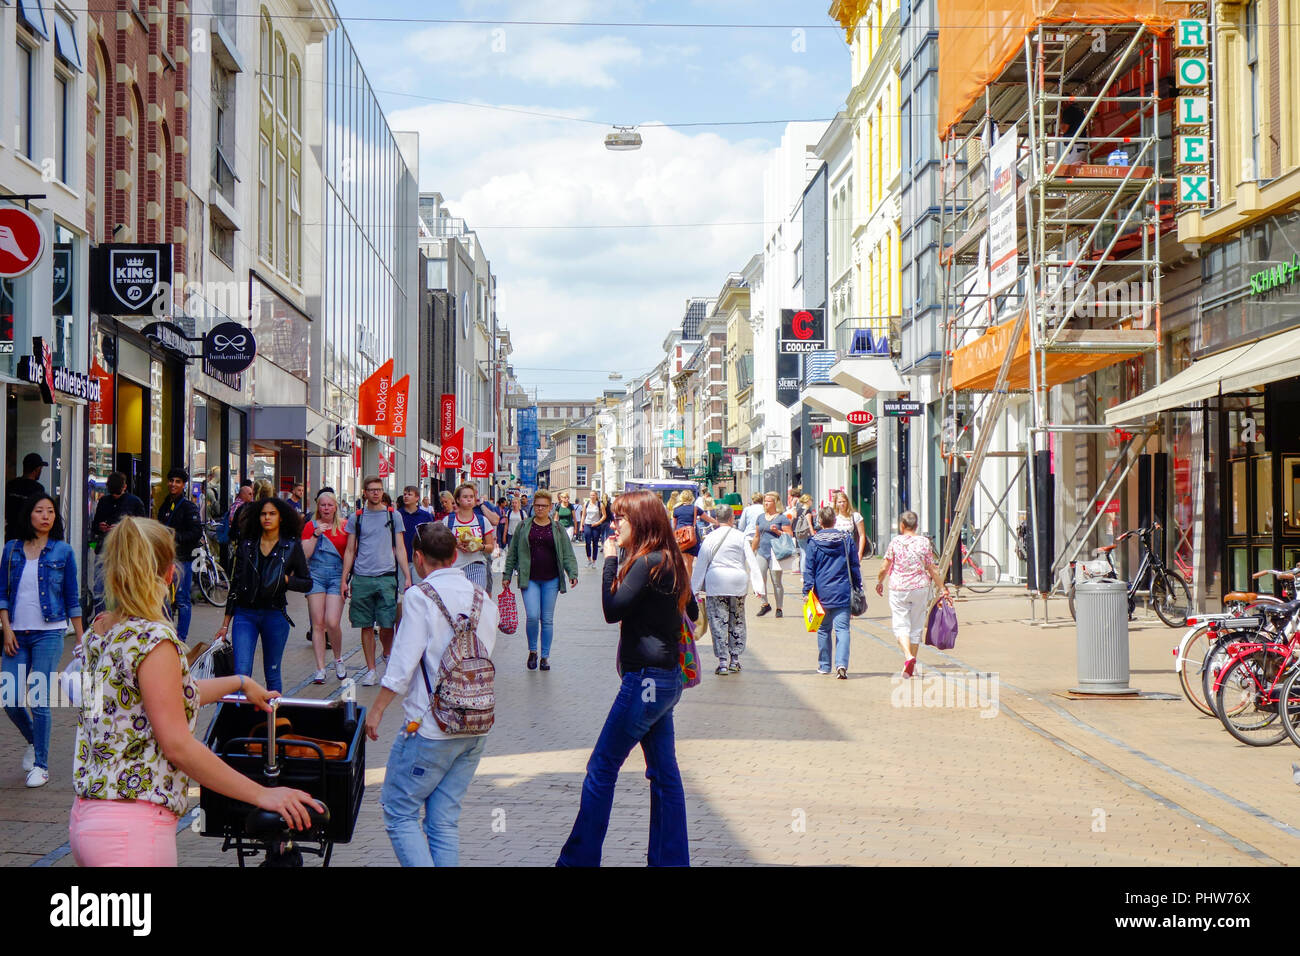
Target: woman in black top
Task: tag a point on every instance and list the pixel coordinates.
(648, 595)
(269, 563)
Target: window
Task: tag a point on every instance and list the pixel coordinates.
(61, 130)
(264, 63)
(223, 242)
(23, 100)
(295, 229)
(264, 199)
(281, 78)
(129, 161)
(582, 473)
(65, 42)
(798, 263)
(100, 186)
(295, 97)
(1252, 68)
(582, 444)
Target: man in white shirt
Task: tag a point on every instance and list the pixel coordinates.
(427, 769)
(751, 513)
(724, 571)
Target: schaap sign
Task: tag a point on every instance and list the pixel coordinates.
(861, 418)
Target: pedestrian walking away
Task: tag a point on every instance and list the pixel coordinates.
(135, 760)
(832, 570)
(725, 571)
(910, 568)
(412, 517)
(805, 525)
(475, 539)
(269, 563)
(688, 514)
(769, 526)
(111, 508)
(181, 515)
(649, 596)
(544, 560)
(429, 769)
(39, 597)
(324, 542)
(592, 522)
(751, 512)
(375, 553)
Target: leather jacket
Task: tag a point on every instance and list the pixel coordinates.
(259, 584)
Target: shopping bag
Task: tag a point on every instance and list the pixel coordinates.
(217, 661)
(941, 625)
(813, 612)
(508, 610)
(687, 657)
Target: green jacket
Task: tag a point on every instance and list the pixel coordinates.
(519, 558)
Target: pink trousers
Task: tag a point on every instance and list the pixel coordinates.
(122, 833)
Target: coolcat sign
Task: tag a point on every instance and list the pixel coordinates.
(802, 330)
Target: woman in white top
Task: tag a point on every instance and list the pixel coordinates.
(724, 571)
(846, 519)
(591, 522)
(476, 537)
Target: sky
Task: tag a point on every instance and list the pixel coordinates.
(596, 252)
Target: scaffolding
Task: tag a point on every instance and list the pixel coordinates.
(1087, 103)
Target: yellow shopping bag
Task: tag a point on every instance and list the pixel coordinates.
(813, 612)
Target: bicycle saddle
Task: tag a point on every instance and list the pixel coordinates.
(263, 824)
(1247, 597)
(1104, 549)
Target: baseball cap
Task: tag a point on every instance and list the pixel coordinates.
(32, 460)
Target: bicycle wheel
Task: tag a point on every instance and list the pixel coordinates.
(1244, 704)
(1191, 666)
(984, 571)
(1215, 660)
(1290, 714)
(869, 549)
(214, 584)
(1069, 599)
(1171, 598)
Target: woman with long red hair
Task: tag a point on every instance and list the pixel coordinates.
(647, 596)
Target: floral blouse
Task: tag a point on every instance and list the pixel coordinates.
(118, 757)
(912, 559)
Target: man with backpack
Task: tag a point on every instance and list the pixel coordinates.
(441, 666)
(374, 554)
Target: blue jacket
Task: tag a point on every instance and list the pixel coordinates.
(56, 576)
(828, 566)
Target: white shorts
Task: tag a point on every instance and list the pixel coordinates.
(909, 611)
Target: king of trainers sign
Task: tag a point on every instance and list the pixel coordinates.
(131, 278)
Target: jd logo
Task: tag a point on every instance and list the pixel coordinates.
(132, 274)
(835, 445)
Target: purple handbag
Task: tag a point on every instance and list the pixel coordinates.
(941, 625)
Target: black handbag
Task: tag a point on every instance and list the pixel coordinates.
(223, 660)
(858, 593)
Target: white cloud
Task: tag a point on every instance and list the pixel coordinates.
(583, 297)
(768, 77)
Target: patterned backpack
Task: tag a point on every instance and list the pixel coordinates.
(464, 702)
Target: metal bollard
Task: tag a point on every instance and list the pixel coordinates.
(1101, 613)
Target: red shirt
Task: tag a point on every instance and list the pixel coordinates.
(337, 538)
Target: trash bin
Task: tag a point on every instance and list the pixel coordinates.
(1101, 614)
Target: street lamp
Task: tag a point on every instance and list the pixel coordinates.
(623, 138)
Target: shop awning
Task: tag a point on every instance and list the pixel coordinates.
(297, 427)
(1247, 366)
(867, 375)
(832, 400)
(1077, 352)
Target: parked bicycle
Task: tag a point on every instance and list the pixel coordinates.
(980, 571)
(1259, 676)
(209, 575)
(1240, 605)
(1166, 590)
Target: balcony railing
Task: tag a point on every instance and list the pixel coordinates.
(886, 325)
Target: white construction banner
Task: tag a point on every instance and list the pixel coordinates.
(1003, 252)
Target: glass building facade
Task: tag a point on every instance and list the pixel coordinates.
(362, 297)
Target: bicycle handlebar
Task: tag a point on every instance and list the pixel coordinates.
(1280, 575)
(318, 703)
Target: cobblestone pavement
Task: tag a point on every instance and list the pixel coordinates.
(783, 766)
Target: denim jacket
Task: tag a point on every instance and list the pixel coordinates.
(56, 575)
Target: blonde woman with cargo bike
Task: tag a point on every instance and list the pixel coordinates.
(135, 760)
(909, 565)
(544, 559)
(647, 596)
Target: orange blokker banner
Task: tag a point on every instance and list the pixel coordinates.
(373, 398)
(399, 401)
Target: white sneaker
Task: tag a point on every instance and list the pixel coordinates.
(38, 777)
(29, 757)
(370, 679)
(319, 677)
(340, 670)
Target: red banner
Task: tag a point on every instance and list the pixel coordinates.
(424, 467)
(447, 418)
(102, 412)
(373, 398)
(387, 463)
(453, 451)
(481, 464)
(399, 396)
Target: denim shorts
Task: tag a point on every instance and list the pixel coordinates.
(326, 574)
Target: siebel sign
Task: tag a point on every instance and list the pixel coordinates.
(861, 418)
(803, 330)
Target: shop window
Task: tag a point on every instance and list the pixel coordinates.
(25, 68)
(264, 67)
(264, 199)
